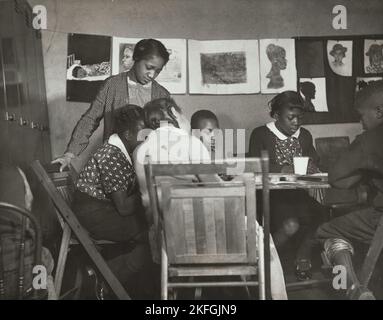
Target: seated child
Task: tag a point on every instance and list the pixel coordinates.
(106, 199)
(203, 124)
(293, 212)
(362, 162)
(170, 128)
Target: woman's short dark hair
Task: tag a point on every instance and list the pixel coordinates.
(150, 47)
(127, 118)
(160, 110)
(286, 99)
(201, 115)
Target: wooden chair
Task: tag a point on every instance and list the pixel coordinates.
(61, 195)
(372, 256)
(329, 149)
(210, 229)
(15, 247)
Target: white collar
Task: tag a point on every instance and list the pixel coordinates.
(281, 136)
(135, 84)
(116, 141)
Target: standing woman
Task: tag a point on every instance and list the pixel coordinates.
(293, 212)
(137, 86)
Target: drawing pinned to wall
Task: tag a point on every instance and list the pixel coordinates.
(339, 54)
(373, 56)
(224, 67)
(313, 92)
(172, 76)
(362, 82)
(88, 64)
(122, 54)
(278, 70)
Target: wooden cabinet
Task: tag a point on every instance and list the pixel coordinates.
(24, 125)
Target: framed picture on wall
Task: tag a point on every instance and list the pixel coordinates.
(172, 76)
(362, 82)
(278, 70)
(88, 65)
(122, 54)
(223, 67)
(339, 55)
(313, 92)
(373, 56)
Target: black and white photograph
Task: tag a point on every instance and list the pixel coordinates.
(88, 64)
(339, 55)
(373, 56)
(363, 82)
(214, 153)
(313, 92)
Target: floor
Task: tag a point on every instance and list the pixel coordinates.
(321, 291)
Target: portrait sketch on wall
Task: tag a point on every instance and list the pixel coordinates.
(122, 54)
(88, 64)
(313, 92)
(362, 82)
(339, 54)
(373, 56)
(278, 70)
(224, 67)
(172, 76)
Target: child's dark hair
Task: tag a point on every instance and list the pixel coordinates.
(150, 47)
(286, 99)
(201, 115)
(127, 118)
(160, 110)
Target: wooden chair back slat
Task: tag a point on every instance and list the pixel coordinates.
(210, 224)
(207, 224)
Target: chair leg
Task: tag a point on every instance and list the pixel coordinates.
(164, 272)
(78, 284)
(261, 265)
(62, 258)
(244, 279)
(172, 294)
(198, 293)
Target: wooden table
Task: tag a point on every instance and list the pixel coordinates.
(314, 184)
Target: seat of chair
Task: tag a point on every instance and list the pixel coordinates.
(212, 270)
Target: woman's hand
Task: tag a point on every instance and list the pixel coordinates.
(64, 160)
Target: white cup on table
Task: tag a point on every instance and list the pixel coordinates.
(300, 165)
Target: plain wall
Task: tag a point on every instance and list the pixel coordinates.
(200, 20)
